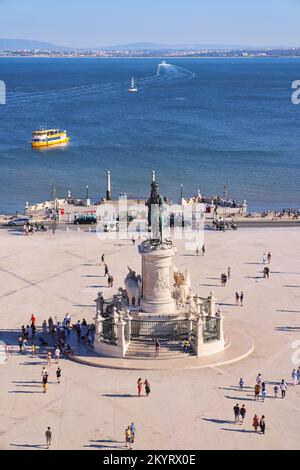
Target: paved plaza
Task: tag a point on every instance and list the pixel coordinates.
(189, 408)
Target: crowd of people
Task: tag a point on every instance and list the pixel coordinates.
(261, 393)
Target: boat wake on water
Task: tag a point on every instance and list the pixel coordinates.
(166, 73)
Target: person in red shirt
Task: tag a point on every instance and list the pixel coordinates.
(33, 319)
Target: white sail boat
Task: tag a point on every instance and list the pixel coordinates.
(133, 87)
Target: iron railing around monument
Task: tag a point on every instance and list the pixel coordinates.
(108, 331)
(211, 329)
(169, 330)
(194, 331)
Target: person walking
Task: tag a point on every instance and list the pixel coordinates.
(283, 388)
(21, 343)
(243, 414)
(133, 432)
(44, 371)
(128, 437)
(106, 270)
(229, 273)
(242, 299)
(294, 377)
(49, 358)
(44, 326)
(223, 279)
(237, 299)
(263, 391)
(298, 375)
(262, 424)
(236, 411)
(58, 375)
(266, 272)
(48, 436)
(258, 379)
(157, 347)
(269, 257)
(57, 355)
(103, 259)
(203, 250)
(257, 391)
(32, 320)
(197, 251)
(264, 258)
(276, 389)
(255, 423)
(241, 383)
(139, 386)
(147, 388)
(45, 382)
(33, 349)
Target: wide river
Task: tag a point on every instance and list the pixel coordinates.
(202, 123)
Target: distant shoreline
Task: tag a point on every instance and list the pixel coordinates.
(144, 57)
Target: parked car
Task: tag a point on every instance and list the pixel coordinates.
(20, 221)
(85, 220)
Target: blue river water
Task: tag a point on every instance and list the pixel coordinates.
(203, 123)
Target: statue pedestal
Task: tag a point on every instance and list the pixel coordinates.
(157, 272)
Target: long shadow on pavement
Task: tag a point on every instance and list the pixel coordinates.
(238, 430)
(125, 395)
(101, 444)
(239, 398)
(218, 421)
(36, 446)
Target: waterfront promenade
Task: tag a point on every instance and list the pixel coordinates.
(48, 274)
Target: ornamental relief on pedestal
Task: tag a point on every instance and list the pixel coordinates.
(160, 281)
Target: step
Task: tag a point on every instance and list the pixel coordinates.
(146, 350)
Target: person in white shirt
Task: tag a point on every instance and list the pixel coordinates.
(258, 379)
(283, 388)
(57, 355)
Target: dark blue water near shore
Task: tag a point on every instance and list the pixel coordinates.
(203, 123)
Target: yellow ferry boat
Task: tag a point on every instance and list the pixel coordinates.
(47, 137)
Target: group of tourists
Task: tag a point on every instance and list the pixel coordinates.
(45, 377)
(260, 391)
